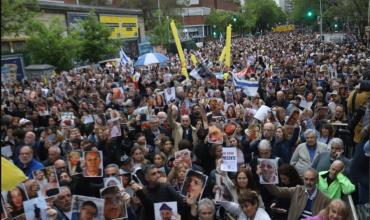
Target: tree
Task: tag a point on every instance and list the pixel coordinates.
(50, 45)
(265, 13)
(161, 34)
(15, 14)
(150, 7)
(93, 37)
(346, 14)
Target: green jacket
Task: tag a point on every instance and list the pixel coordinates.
(340, 185)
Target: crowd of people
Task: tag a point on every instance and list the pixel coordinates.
(112, 142)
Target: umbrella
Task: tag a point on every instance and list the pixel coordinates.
(151, 58)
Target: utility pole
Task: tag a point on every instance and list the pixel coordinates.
(321, 20)
(159, 10)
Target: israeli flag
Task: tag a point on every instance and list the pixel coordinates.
(249, 87)
(123, 58)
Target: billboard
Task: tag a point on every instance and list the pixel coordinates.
(144, 48)
(122, 26)
(283, 28)
(73, 17)
(12, 68)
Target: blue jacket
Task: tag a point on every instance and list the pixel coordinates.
(32, 166)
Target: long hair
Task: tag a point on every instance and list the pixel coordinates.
(340, 206)
(289, 171)
(10, 196)
(251, 183)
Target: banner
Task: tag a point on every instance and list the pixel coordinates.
(228, 46)
(193, 59)
(229, 159)
(122, 26)
(222, 57)
(12, 68)
(179, 49)
(283, 28)
(250, 87)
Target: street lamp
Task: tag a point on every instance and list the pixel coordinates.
(320, 21)
(159, 11)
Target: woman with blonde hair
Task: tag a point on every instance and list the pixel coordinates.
(336, 210)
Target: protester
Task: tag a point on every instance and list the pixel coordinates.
(301, 92)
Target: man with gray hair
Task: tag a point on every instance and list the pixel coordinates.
(307, 152)
(325, 159)
(54, 153)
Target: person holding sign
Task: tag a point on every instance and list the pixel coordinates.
(268, 171)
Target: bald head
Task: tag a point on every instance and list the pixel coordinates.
(185, 121)
(335, 168)
(268, 130)
(29, 138)
(280, 95)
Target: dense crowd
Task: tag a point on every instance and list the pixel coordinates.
(113, 142)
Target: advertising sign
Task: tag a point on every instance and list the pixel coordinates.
(12, 68)
(122, 26)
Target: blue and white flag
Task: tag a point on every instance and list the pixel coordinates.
(249, 87)
(123, 58)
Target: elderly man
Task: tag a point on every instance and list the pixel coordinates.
(63, 203)
(26, 162)
(280, 100)
(325, 159)
(54, 153)
(306, 153)
(333, 183)
(268, 134)
(305, 200)
(182, 130)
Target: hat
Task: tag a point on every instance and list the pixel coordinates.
(24, 121)
(335, 92)
(164, 206)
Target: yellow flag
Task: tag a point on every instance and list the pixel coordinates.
(222, 57)
(179, 49)
(11, 175)
(228, 46)
(193, 59)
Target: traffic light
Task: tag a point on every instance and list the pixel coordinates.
(335, 25)
(309, 13)
(234, 18)
(214, 34)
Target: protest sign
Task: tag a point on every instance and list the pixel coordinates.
(229, 159)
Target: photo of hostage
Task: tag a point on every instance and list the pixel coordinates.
(166, 211)
(267, 170)
(93, 164)
(194, 185)
(114, 203)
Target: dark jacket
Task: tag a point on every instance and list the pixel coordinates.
(160, 193)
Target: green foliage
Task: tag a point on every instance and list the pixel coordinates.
(267, 14)
(344, 13)
(256, 14)
(15, 14)
(50, 45)
(301, 10)
(94, 42)
(162, 34)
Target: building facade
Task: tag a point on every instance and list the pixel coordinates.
(127, 24)
(194, 14)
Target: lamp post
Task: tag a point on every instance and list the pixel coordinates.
(159, 11)
(320, 21)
